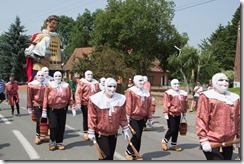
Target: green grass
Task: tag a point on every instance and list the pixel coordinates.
(235, 90)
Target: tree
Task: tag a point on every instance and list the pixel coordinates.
(105, 62)
(12, 45)
(80, 34)
(142, 27)
(184, 62)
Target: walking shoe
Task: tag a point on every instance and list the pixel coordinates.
(44, 139)
(12, 113)
(52, 146)
(128, 157)
(164, 145)
(175, 148)
(86, 137)
(138, 158)
(37, 141)
(60, 146)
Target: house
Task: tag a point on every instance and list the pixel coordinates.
(156, 76)
(74, 58)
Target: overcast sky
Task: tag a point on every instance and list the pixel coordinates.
(198, 18)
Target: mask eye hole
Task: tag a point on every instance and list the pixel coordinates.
(224, 80)
(110, 86)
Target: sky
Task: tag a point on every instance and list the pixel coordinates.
(198, 18)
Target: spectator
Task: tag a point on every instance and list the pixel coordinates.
(197, 90)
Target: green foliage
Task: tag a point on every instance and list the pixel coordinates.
(104, 62)
(141, 26)
(12, 46)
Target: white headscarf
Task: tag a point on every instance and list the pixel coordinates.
(40, 76)
(221, 86)
(88, 75)
(110, 90)
(104, 102)
(175, 84)
(145, 78)
(46, 71)
(138, 81)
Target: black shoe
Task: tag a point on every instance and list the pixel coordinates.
(12, 113)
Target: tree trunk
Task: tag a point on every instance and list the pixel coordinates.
(185, 80)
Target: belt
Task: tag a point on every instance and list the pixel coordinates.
(55, 62)
(58, 108)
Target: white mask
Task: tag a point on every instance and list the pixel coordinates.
(102, 81)
(40, 76)
(110, 86)
(88, 75)
(145, 78)
(46, 71)
(57, 77)
(138, 81)
(175, 84)
(220, 82)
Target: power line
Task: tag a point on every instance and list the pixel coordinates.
(192, 5)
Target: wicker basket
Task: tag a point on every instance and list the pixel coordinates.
(44, 126)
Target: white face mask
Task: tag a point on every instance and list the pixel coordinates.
(103, 82)
(175, 84)
(88, 76)
(111, 89)
(57, 77)
(40, 76)
(138, 80)
(110, 86)
(46, 71)
(220, 82)
(222, 85)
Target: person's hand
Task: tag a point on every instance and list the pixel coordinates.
(206, 147)
(73, 112)
(78, 107)
(150, 122)
(44, 114)
(91, 134)
(238, 145)
(126, 132)
(166, 116)
(29, 110)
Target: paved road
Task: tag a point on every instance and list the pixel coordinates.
(17, 139)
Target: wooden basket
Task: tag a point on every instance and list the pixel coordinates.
(183, 127)
(44, 126)
(33, 116)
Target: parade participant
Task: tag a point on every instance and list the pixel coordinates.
(2, 89)
(45, 50)
(86, 87)
(218, 119)
(47, 77)
(102, 83)
(138, 102)
(106, 112)
(147, 84)
(12, 94)
(175, 106)
(197, 90)
(35, 95)
(57, 98)
(73, 85)
(130, 83)
(210, 85)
